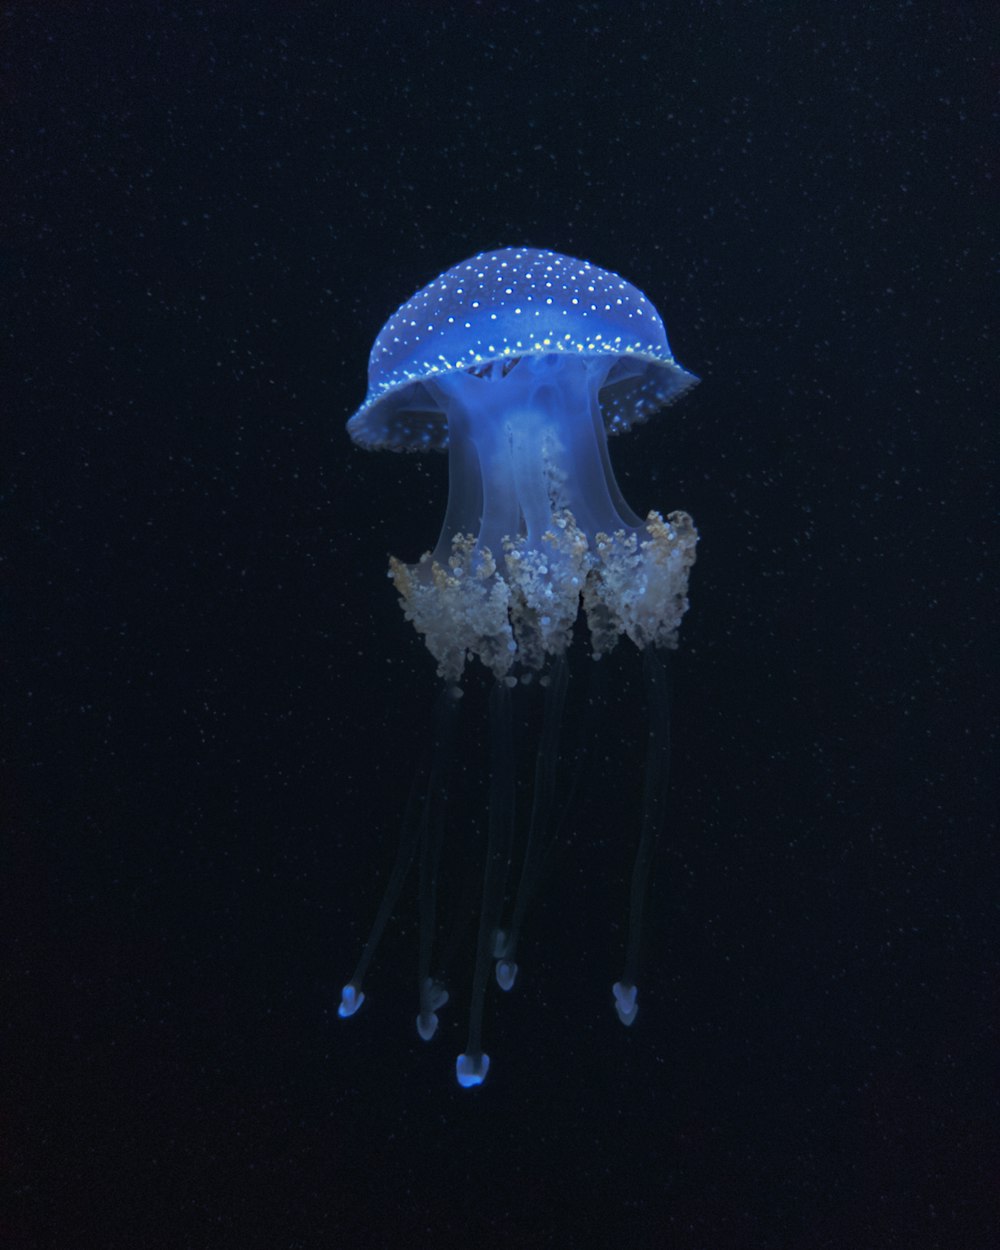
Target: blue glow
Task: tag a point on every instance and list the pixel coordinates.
(521, 362)
(470, 1070)
(514, 302)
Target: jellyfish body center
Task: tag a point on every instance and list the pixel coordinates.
(536, 525)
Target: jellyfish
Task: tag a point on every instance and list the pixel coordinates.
(519, 363)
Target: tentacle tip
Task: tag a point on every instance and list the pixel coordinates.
(625, 1004)
(471, 1069)
(506, 973)
(427, 1024)
(432, 996)
(351, 999)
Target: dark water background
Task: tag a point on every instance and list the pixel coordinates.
(212, 704)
